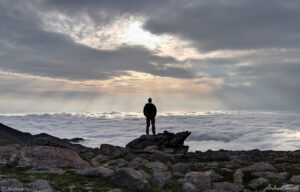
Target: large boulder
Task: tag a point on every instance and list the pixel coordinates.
(41, 156)
(130, 178)
(200, 180)
(166, 142)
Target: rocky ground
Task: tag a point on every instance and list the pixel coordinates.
(156, 164)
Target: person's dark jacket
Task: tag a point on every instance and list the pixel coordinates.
(150, 110)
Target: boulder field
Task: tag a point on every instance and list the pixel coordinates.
(159, 163)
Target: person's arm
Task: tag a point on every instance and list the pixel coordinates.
(145, 111)
(155, 111)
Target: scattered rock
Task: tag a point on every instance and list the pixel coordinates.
(9, 154)
(188, 187)
(42, 156)
(112, 151)
(181, 167)
(213, 175)
(117, 162)
(295, 179)
(52, 170)
(199, 179)
(130, 178)
(260, 167)
(100, 158)
(145, 175)
(271, 175)
(157, 166)
(238, 176)
(39, 185)
(226, 186)
(137, 162)
(115, 190)
(255, 183)
(94, 172)
(160, 179)
(10, 185)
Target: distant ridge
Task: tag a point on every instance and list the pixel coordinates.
(9, 135)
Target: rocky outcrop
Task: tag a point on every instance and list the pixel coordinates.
(166, 142)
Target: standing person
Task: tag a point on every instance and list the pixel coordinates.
(150, 113)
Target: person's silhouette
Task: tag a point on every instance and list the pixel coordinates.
(150, 113)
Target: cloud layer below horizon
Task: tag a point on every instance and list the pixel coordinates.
(61, 55)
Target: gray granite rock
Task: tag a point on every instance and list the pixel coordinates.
(238, 176)
(260, 167)
(42, 156)
(271, 175)
(115, 190)
(45, 169)
(255, 183)
(295, 179)
(94, 172)
(199, 179)
(213, 175)
(157, 166)
(188, 187)
(130, 178)
(137, 162)
(40, 185)
(226, 186)
(181, 168)
(8, 185)
(160, 179)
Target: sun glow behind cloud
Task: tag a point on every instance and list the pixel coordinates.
(136, 35)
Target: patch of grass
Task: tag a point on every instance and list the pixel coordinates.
(173, 186)
(146, 169)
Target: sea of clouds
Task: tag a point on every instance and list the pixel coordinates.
(230, 130)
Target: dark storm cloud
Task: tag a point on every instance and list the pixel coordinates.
(211, 25)
(27, 48)
(229, 24)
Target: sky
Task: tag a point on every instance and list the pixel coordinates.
(188, 55)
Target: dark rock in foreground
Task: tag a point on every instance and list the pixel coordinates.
(166, 142)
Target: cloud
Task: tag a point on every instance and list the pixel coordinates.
(217, 130)
(223, 25)
(28, 48)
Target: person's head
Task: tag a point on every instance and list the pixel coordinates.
(149, 100)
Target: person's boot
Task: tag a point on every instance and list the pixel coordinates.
(153, 130)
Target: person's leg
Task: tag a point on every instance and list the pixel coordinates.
(153, 126)
(147, 126)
